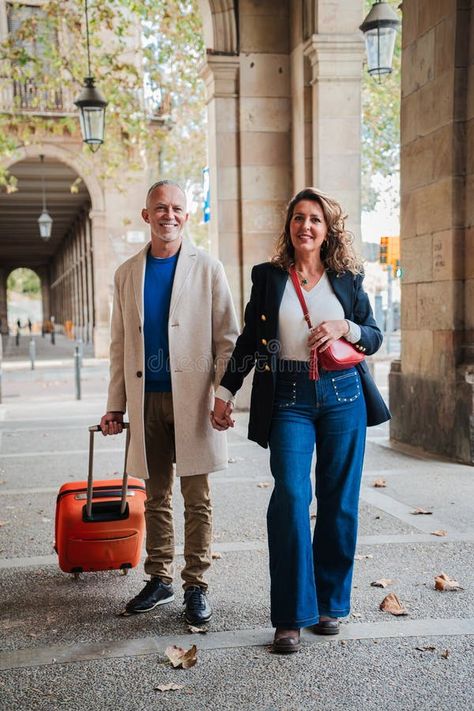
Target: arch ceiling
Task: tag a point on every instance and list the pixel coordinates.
(20, 243)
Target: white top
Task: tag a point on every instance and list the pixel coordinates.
(322, 304)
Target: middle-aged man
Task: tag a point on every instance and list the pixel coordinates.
(173, 330)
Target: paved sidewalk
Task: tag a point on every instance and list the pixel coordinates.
(63, 645)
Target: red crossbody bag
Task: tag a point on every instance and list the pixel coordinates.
(340, 354)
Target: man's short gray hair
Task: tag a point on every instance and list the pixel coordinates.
(159, 183)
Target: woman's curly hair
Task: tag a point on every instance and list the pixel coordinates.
(337, 252)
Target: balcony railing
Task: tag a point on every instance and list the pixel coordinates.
(27, 96)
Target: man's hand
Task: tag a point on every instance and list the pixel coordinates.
(221, 415)
(326, 333)
(111, 423)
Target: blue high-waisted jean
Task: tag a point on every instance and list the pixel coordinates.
(309, 579)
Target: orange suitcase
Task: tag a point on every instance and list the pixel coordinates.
(100, 525)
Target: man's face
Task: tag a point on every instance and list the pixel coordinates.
(166, 213)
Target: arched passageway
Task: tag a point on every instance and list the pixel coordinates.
(24, 303)
(64, 262)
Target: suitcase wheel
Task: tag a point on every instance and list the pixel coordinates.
(76, 576)
(125, 567)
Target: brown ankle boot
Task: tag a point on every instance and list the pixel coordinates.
(286, 641)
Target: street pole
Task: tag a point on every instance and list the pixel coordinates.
(80, 345)
(389, 322)
(77, 369)
(1, 362)
(32, 353)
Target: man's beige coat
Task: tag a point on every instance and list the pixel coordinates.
(202, 329)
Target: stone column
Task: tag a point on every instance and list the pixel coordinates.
(103, 283)
(301, 100)
(43, 273)
(3, 301)
(265, 124)
(221, 75)
(90, 282)
(432, 387)
(336, 61)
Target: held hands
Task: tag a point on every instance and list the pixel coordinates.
(111, 423)
(221, 415)
(326, 333)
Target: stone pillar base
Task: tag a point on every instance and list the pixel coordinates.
(435, 415)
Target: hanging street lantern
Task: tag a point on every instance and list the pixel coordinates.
(91, 105)
(380, 31)
(45, 221)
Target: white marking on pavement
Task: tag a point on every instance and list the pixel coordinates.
(66, 654)
(259, 545)
(60, 453)
(403, 512)
(46, 560)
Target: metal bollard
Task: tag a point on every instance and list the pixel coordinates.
(80, 345)
(1, 361)
(53, 337)
(77, 368)
(32, 353)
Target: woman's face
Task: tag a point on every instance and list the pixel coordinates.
(308, 228)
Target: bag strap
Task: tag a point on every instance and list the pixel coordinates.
(313, 356)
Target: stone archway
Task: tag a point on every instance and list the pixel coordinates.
(26, 310)
(101, 274)
(219, 18)
(282, 83)
(64, 262)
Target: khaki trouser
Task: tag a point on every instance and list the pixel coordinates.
(160, 451)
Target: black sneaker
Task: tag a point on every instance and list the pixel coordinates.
(198, 610)
(155, 592)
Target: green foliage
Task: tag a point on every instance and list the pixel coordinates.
(24, 281)
(381, 126)
(133, 42)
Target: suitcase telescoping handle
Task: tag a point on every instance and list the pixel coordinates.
(90, 477)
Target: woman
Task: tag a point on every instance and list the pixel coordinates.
(310, 581)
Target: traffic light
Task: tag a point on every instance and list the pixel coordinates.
(390, 252)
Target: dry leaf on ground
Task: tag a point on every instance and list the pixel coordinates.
(379, 483)
(356, 614)
(427, 648)
(363, 557)
(263, 484)
(197, 630)
(215, 555)
(382, 583)
(421, 512)
(231, 460)
(439, 532)
(391, 603)
(168, 687)
(445, 654)
(3, 523)
(444, 583)
(180, 657)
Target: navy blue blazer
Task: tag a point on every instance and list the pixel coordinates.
(258, 346)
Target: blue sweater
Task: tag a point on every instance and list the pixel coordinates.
(159, 275)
